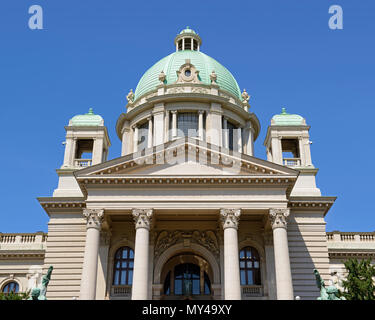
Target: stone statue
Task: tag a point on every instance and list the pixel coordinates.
(245, 96)
(162, 77)
(329, 293)
(130, 96)
(40, 293)
(213, 76)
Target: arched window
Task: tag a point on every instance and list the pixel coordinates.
(249, 266)
(11, 287)
(188, 279)
(123, 266)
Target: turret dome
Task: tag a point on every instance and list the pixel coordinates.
(287, 119)
(88, 119)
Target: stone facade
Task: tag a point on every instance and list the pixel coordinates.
(181, 214)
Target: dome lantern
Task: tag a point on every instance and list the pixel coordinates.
(187, 39)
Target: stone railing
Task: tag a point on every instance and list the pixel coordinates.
(23, 241)
(292, 162)
(252, 291)
(82, 163)
(121, 291)
(336, 236)
(183, 88)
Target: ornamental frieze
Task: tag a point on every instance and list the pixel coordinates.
(166, 239)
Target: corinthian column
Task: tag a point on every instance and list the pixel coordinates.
(94, 219)
(284, 285)
(142, 218)
(232, 285)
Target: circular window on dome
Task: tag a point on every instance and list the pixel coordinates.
(187, 73)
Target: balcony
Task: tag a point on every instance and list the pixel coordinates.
(26, 242)
(358, 237)
(252, 291)
(82, 163)
(121, 291)
(350, 244)
(292, 162)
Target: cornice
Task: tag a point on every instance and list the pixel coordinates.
(223, 97)
(22, 254)
(312, 203)
(80, 129)
(350, 254)
(283, 128)
(56, 203)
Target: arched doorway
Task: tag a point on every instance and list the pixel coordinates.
(186, 276)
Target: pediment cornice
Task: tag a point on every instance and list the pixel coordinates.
(248, 171)
(183, 148)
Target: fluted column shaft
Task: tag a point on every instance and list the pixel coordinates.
(142, 219)
(284, 284)
(232, 285)
(94, 219)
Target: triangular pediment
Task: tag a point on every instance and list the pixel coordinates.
(188, 157)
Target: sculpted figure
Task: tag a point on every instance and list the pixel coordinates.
(40, 293)
(245, 96)
(130, 96)
(329, 293)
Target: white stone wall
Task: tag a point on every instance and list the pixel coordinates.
(307, 250)
(65, 251)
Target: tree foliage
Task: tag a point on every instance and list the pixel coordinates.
(360, 281)
(15, 296)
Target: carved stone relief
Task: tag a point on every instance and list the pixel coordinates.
(166, 239)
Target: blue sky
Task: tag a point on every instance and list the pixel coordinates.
(91, 53)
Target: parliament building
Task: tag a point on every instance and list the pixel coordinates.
(187, 210)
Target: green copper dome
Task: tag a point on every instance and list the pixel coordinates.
(287, 119)
(172, 63)
(88, 119)
(187, 30)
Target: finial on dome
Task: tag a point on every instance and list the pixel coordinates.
(283, 111)
(90, 111)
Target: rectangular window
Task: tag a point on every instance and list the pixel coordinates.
(187, 124)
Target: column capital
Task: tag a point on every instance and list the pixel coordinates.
(279, 217)
(201, 111)
(94, 218)
(174, 111)
(230, 218)
(142, 218)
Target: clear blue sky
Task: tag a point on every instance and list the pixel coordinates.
(90, 53)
